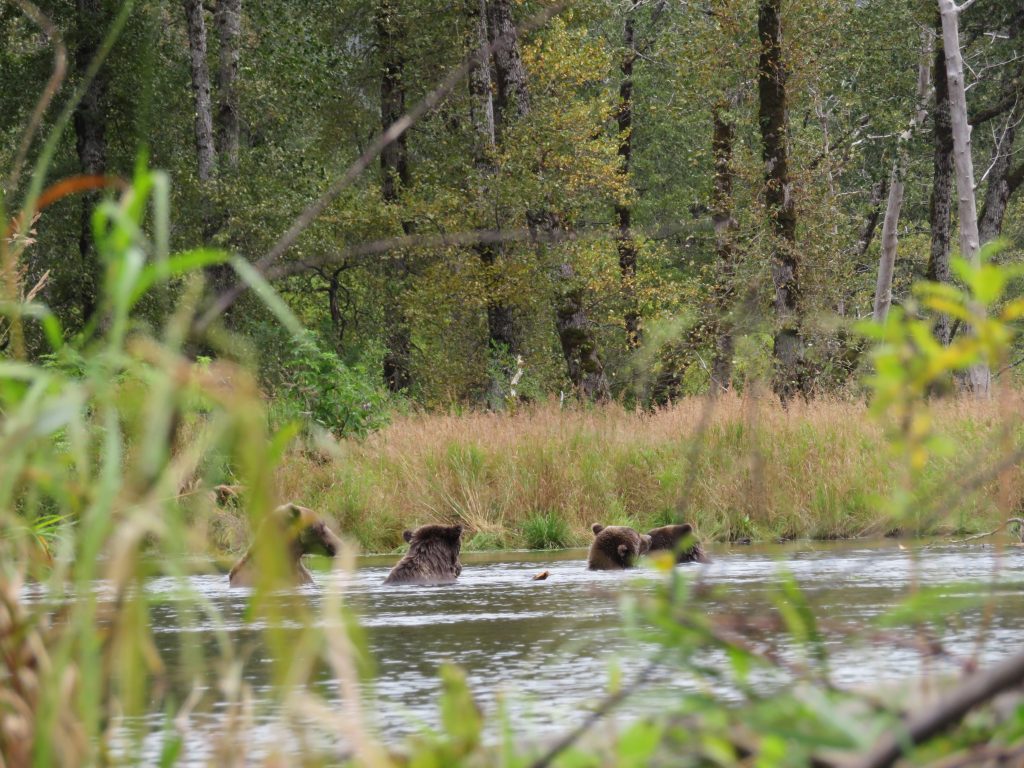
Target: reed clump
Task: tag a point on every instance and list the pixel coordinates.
(740, 468)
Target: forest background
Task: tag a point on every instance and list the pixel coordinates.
(625, 201)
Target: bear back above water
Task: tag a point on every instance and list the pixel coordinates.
(671, 538)
(433, 556)
(298, 531)
(616, 547)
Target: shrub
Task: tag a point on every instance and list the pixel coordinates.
(546, 531)
(323, 390)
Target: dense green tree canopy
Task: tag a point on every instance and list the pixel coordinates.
(558, 178)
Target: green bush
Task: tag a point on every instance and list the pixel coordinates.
(323, 390)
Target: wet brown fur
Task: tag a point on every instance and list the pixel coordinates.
(301, 531)
(616, 547)
(670, 537)
(433, 556)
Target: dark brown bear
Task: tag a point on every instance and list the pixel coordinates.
(433, 556)
(671, 538)
(616, 547)
(298, 531)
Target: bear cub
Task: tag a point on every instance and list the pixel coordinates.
(300, 531)
(433, 556)
(616, 547)
(671, 538)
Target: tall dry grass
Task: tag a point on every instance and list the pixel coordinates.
(745, 469)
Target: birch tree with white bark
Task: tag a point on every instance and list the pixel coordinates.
(979, 377)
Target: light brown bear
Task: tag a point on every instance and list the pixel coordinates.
(616, 547)
(433, 556)
(298, 531)
(671, 538)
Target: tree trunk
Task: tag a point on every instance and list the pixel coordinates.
(970, 247)
(626, 243)
(585, 369)
(879, 190)
(502, 332)
(394, 164)
(228, 20)
(942, 186)
(772, 119)
(890, 227)
(513, 100)
(725, 223)
(205, 152)
(91, 145)
(480, 88)
(1002, 182)
(1001, 186)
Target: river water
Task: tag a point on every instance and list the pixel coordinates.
(544, 648)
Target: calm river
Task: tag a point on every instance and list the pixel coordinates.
(545, 647)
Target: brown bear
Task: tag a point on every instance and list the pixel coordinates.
(671, 538)
(433, 556)
(616, 547)
(299, 531)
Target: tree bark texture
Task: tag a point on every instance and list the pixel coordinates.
(723, 137)
(205, 150)
(227, 18)
(512, 99)
(91, 145)
(626, 243)
(890, 226)
(772, 119)
(480, 87)
(1002, 184)
(980, 376)
(394, 164)
(942, 185)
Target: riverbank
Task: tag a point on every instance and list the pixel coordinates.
(745, 469)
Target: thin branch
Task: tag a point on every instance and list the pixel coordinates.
(1019, 521)
(392, 134)
(973, 690)
(352, 255)
(606, 706)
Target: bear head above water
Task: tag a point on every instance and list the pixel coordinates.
(616, 547)
(433, 556)
(680, 540)
(297, 531)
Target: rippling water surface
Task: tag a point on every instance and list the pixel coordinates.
(545, 647)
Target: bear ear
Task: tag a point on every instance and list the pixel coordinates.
(407, 535)
(645, 543)
(289, 512)
(623, 550)
(597, 528)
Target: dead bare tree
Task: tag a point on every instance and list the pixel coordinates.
(979, 376)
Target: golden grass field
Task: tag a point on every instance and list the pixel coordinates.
(738, 468)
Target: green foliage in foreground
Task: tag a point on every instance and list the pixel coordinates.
(97, 436)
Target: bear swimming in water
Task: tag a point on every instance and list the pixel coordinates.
(669, 537)
(616, 547)
(433, 556)
(299, 531)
